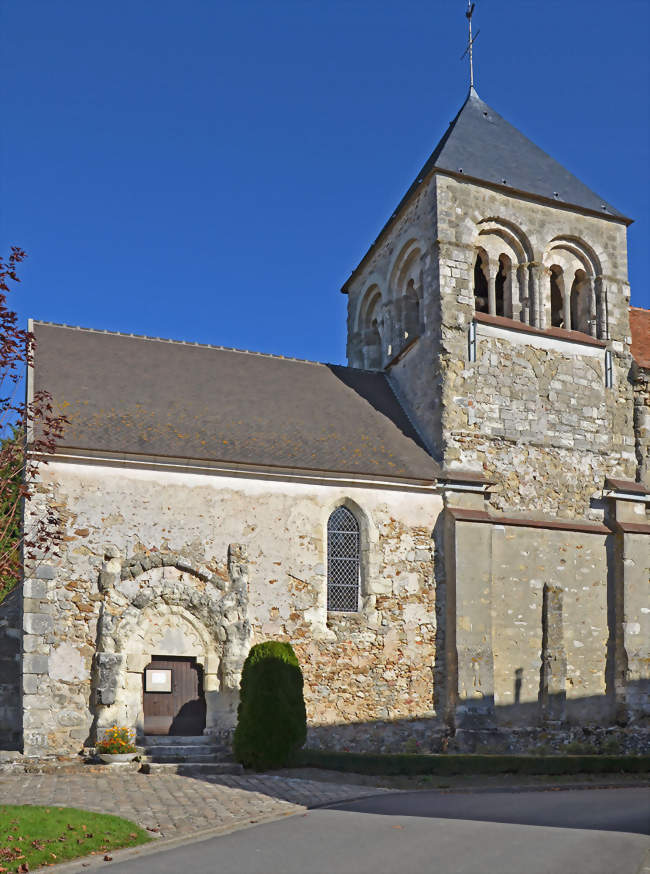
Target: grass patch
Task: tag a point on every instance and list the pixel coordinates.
(31, 836)
(445, 765)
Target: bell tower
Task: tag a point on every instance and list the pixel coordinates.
(496, 299)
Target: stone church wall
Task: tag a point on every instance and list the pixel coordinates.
(533, 415)
(137, 542)
(10, 666)
(414, 375)
(641, 381)
(539, 422)
(546, 635)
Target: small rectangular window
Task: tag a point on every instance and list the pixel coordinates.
(609, 370)
(471, 342)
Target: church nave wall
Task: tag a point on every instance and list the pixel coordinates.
(163, 541)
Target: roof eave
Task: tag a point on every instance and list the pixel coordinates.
(110, 458)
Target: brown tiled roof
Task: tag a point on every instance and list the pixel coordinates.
(151, 397)
(640, 330)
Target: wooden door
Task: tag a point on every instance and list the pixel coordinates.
(181, 711)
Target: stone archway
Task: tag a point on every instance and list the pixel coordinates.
(162, 604)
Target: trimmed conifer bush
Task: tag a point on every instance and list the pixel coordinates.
(271, 717)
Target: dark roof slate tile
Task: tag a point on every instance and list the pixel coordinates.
(142, 396)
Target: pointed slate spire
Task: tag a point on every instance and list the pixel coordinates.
(480, 144)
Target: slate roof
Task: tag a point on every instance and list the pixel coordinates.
(640, 330)
(482, 145)
(142, 396)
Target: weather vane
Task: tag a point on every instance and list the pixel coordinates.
(470, 44)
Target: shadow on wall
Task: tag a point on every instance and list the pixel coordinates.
(11, 713)
(371, 387)
(546, 726)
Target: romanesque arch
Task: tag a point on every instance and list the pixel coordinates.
(405, 293)
(574, 270)
(162, 604)
(369, 327)
(505, 256)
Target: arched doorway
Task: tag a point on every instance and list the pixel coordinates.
(173, 700)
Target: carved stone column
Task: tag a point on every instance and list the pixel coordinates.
(566, 301)
(536, 311)
(601, 309)
(492, 295)
(592, 306)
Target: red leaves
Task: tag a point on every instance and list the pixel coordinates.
(108, 858)
(44, 426)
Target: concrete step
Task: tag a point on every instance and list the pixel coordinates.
(190, 769)
(151, 740)
(189, 756)
(185, 752)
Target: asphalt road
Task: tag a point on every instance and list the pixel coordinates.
(557, 832)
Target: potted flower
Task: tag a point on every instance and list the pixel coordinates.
(117, 745)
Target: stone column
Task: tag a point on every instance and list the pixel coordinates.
(519, 300)
(537, 313)
(601, 309)
(593, 308)
(566, 300)
(492, 295)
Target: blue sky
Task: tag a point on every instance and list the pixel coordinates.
(213, 171)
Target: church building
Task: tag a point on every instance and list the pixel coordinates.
(452, 531)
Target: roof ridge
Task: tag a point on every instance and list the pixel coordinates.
(195, 343)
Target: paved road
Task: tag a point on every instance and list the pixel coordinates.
(559, 832)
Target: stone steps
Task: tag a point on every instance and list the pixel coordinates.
(186, 754)
(200, 755)
(191, 769)
(172, 740)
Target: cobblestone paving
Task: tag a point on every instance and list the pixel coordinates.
(177, 805)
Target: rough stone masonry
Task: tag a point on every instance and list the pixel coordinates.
(489, 441)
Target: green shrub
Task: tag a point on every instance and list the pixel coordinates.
(271, 718)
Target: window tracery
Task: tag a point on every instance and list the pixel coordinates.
(343, 561)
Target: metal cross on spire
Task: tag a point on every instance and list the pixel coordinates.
(470, 44)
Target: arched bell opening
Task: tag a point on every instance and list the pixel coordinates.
(503, 287)
(481, 292)
(557, 296)
(581, 316)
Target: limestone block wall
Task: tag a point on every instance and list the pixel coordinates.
(532, 413)
(531, 633)
(544, 626)
(10, 669)
(635, 624)
(550, 625)
(376, 665)
(416, 373)
(641, 382)
(535, 416)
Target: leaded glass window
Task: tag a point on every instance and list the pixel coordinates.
(343, 561)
